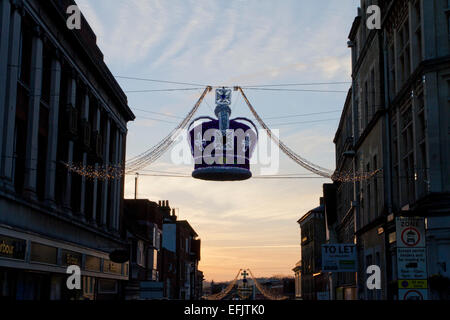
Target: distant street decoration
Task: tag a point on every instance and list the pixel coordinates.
(244, 290)
(222, 148)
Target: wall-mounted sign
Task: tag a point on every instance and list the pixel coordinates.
(112, 267)
(70, 258)
(93, 263)
(410, 232)
(413, 284)
(340, 257)
(413, 294)
(43, 254)
(12, 248)
(411, 258)
(411, 263)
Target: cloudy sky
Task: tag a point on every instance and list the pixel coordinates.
(249, 224)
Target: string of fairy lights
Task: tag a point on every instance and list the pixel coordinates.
(226, 291)
(103, 172)
(265, 292)
(145, 159)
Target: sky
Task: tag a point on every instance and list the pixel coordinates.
(250, 224)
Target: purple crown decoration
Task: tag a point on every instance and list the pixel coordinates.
(222, 148)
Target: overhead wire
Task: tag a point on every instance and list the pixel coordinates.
(161, 81)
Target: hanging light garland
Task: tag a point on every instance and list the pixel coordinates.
(146, 158)
(326, 173)
(226, 291)
(265, 292)
(109, 172)
(351, 177)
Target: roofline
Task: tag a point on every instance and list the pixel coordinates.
(185, 222)
(354, 28)
(306, 215)
(344, 110)
(101, 68)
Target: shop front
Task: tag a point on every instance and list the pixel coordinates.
(34, 268)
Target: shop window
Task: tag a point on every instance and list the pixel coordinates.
(107, 286)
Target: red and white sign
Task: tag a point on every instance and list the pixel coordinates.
(413, 294)
(410, 232)
(411, 256)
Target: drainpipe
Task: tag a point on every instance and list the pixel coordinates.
(387, 159)
(387, 123)
(355, 203)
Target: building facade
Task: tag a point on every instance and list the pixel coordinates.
(399, 138)
(298, 280)
(313, 235)
(61, 111)
(341, 216)
(180, 259)
(143, 220)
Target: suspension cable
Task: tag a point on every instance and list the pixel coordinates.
(265, 292)
(223, 293)
(151, 155)
(290, 153)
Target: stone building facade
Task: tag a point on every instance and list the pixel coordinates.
(400, 120)
(60, 107)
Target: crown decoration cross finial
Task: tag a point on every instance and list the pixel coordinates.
(223, 111)
(223, 96)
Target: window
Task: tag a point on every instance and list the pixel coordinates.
(421, 169)
(366, 104)
(369, 262)
(372, 92)
(107, 286)
(417, 29)
(152, 259)
(140, 260)
(392, 72)
(369, 198)
(403, 53)
(407, 177)
(375, 186)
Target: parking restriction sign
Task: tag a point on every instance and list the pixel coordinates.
(411, 258)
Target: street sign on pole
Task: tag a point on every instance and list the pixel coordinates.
(412, 272)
